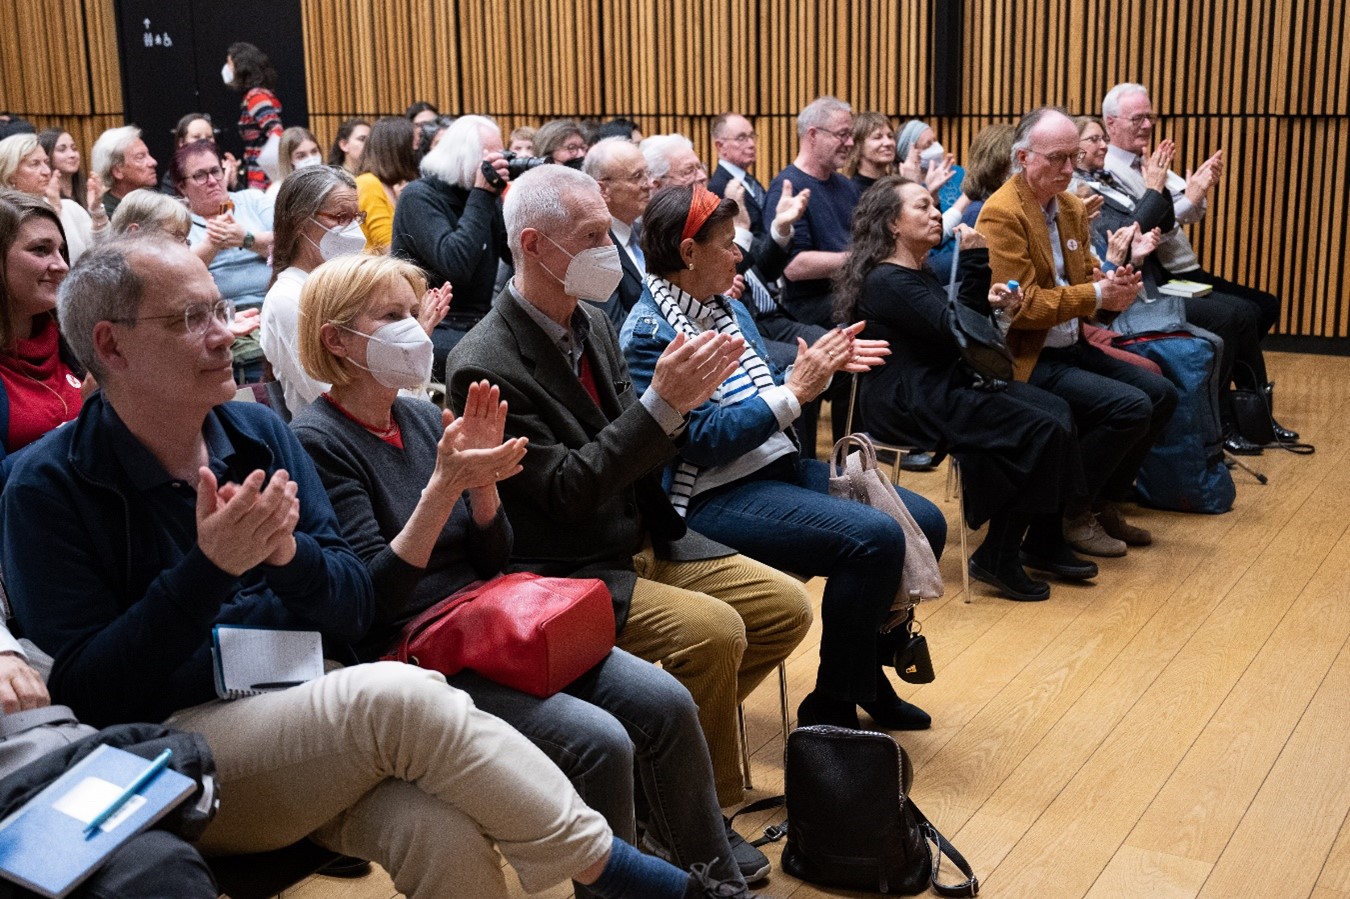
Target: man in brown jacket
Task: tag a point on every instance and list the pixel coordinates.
(1038, 235)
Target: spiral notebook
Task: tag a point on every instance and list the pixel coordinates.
(254, 660)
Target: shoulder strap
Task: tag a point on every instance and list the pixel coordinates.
(956, 258)
(968, 887)
(774, 832)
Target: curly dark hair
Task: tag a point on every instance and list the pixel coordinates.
(872, 242)
(252, 68)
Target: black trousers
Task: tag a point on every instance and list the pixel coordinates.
(1267, 304)
(1118, 408)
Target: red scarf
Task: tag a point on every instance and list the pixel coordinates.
(43, 392)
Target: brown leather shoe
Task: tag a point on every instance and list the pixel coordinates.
(1113, 522)
(1085, 534)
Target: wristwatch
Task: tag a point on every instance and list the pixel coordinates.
(248, 240)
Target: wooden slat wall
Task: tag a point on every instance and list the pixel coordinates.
(1267, 80)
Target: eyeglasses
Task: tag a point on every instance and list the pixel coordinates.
(1137, 120)
(638, 177)
(1094, 139)
(342, 219)
(1057, 160)
(574, 148)
(741, 138)
(215, 174)
(840, 136)
(197, 318)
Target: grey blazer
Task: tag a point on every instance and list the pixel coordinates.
(590, 494)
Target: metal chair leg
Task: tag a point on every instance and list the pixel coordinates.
(783, 699)
(745, 747)
(956, 490)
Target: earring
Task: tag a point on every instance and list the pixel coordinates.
(691, 266)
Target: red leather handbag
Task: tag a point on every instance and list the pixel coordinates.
(533, 634)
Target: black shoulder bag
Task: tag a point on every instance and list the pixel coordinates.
(979, 340)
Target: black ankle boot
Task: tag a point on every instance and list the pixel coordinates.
(892, 712)
(817, 708)
(997, 563)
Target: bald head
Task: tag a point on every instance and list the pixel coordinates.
(620, 169)
(1044, 149)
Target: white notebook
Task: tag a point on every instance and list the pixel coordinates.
(254, 660)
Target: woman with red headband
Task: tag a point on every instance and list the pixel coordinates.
(740, 477)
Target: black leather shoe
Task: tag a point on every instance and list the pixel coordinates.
(1060, 561)
(891, 712)
(918, 462)
(1241, 446)
(1282, 434)
(898, 715)
(347, 867)
(1026, 589)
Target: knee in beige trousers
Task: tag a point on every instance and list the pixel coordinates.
(387, 762)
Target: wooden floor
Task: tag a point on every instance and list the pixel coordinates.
(1182, 728)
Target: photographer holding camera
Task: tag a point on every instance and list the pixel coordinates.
(449, 223)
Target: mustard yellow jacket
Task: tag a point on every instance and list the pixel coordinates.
(1013, 223)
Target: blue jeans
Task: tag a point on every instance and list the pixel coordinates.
(795, 525)
(624, 710)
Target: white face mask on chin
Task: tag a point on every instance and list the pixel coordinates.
(593, 274)
(227, 74)
(398, 354)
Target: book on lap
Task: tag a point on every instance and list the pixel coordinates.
(254, 660)
(43, 845)
(1179, 288)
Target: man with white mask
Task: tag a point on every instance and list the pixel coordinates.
(589, 501)
(316, 218)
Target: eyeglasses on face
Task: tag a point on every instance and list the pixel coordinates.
(197, 317)
(205, 175)
(638, 177)
(1137, 120)
(1057, 160)
(342, 219)
(742, 138)
(842, 136)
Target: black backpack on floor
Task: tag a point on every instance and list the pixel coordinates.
(850, 821)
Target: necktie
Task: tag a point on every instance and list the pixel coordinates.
(587, 377)
(760, 298)
(637, 250)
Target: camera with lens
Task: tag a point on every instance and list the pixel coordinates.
(517, 165)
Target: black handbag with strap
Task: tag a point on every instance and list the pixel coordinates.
(978, 338)
(851, 822)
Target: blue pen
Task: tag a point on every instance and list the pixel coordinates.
(141, 780)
